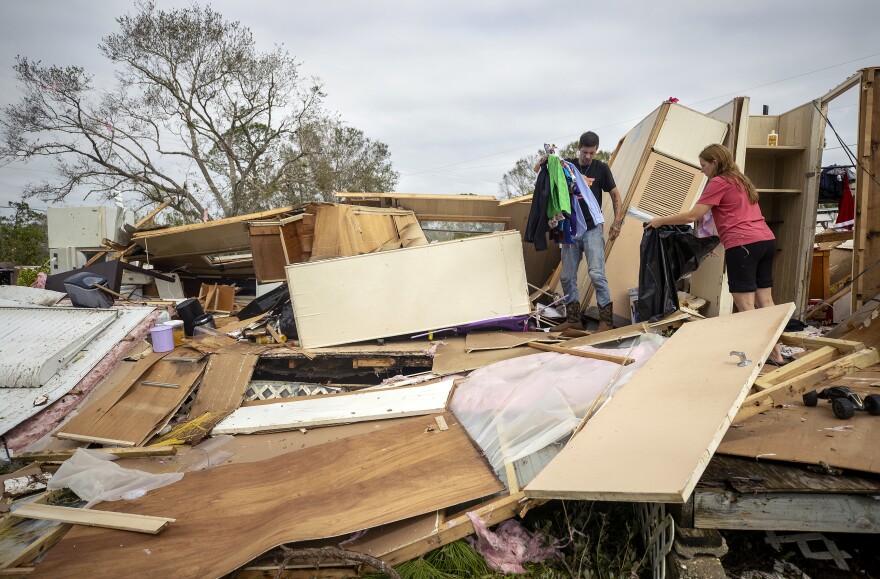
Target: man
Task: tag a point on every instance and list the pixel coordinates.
(590, 243)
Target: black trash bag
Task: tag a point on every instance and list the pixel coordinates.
(286, 322)
(668, 253)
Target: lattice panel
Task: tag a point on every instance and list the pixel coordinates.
(270, 389)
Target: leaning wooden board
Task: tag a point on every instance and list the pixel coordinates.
(227, 515)
(652, 441)
(410, 290)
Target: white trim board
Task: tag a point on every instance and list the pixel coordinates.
(17, 404)
(410, 290)
(654, 438)
(338, 409)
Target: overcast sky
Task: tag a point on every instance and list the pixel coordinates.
(460, 90)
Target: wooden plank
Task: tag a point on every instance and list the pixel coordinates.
(372, 362)
(582, 353)
(831, 236)
(810, 361)
(467, 280)
(125, 452)
(794, 388)
(753, 476)
(823, 513)
(92, 518)
(452, 358)
(230, 514)
(844, 346)
(226, 380)
(799, 434)
(132, 413)
(333, 409)
(866, 240)
(682, 410)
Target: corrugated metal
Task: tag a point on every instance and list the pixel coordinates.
(38, 342)
(17, 296)
(19, 404)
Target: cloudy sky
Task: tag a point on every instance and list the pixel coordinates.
(460, 90)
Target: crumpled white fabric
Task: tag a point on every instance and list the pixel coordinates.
(95, 478)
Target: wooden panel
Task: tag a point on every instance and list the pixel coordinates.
(268, 250)
(94, 518)
(686, 132)
(867, 226)
(787, 512)
(464, 281)
(629, 451)
(759, 127)
(132, 412)
(338, 409)
(228, 515)
(754, 476)
(796, 433)
(503, 340)
(226, 380)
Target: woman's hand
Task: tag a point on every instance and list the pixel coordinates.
(655, 222)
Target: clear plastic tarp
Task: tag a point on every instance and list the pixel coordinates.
(95, 478)
(516, 407)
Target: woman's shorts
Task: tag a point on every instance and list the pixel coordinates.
(750, 267)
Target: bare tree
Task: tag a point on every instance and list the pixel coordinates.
(197, 112)
(520, 180)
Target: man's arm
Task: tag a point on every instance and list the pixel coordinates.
(619, 213)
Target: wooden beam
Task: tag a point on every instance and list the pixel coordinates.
(844, 346)
(93, 439)
(149, 217)
(581, 353)
(92, 518)
(793, 388)
(832, 236)
(866, 240)
(805, 363)
(372, 362)
(818, 512)
(521, 199)
(127, 452)
(849, 83)
(464, 218)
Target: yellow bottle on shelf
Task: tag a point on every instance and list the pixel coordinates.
(772, 139)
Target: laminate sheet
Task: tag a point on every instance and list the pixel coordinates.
(133, 410)
(228, 515)
(796, 433)
(653, 439)
(338, 409)
(409, 290)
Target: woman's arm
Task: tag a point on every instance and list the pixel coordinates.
(684, 218)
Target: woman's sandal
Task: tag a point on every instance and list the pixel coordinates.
(770, 362)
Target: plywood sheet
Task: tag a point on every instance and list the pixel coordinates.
(383, 294)
(809, 435)
(132, 411)
(228, 515)
(226, 380)
(338, 409)
(653, 439)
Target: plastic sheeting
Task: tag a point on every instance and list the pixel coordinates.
(668, 253)
(516, 407)
(95, 478)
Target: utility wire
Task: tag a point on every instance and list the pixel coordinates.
(847, 150)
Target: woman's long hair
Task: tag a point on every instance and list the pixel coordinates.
(727, 169)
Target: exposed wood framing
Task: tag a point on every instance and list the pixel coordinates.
(581, 353)
(844, 346)
(867, 226)
(794, 388)
(810, 361)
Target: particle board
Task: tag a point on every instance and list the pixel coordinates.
(226, 380)
(132, 412)
(795, 433)
(653, 439)
(338, 409)
(464, 281)
(451, 357)
(502, 340)
(230, 514)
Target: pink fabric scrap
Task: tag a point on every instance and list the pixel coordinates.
(511, 545)
(40, 282)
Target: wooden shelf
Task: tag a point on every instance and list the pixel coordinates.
(779, 192)
(780, 151)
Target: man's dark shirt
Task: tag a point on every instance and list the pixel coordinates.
(599, 178)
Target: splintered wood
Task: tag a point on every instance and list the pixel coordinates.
(230, 514)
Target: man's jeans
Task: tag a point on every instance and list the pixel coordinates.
(592, 245)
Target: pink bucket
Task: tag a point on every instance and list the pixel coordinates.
(163, 338)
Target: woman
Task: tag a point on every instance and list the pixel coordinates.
(749, 244)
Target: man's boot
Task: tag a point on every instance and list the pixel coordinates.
(572, 321)
(606, 317)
